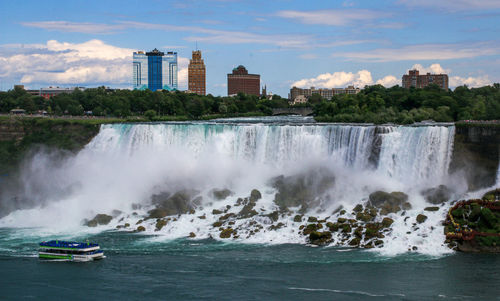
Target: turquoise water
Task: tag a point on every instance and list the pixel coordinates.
(140, 268)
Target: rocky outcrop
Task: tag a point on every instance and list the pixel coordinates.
(221, 194)
(437, 195)
(180, 203)
(493, 195)
(303, 190)
(99, 219)
(389, 202)
(476, 153)
(474, 226)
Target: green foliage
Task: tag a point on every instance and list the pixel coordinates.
(376, 104)
(150, 114)
(126, 103)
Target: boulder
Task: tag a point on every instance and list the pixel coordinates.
(255, 195)
(303, 190)
(160, 223)
(320, 238)
(221, 194)
(297, 218)
(247, 211)
(179, 203)
(437, 195)
(311, 228)
(387, 222)
(216, 212)
(431, 208)
(140, 229)
(276, 227)
(492, 195)
(226, 233)
(421, 218)
(274, 216)
(355, 242)
(192, 234)
(157, 213)
(99, 219)
(226, 216)
(312, 219)
(358, 208)
(389, 202)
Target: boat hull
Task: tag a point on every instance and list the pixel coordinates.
(70, 257)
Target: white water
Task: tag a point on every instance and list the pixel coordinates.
(125, 164)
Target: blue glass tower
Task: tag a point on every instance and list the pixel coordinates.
(155, 69)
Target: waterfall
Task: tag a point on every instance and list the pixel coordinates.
(410, 154)
(125, 164)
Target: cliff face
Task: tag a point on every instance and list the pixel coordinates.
(18, 135)
(476, 153)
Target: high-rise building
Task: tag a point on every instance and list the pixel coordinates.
(154, 70)
(414, 79)
(197, 74)
(170, 81)
(140, 70)
(241, 81)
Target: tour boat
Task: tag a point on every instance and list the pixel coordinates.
(70, 251)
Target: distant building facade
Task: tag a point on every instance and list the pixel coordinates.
(325, 93)
(49, 92)
(414, 79)
(240, 81)
(154, 70)
(197, 74)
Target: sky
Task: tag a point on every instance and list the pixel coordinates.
(320, 43)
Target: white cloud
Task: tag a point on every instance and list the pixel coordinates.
(453, 5)
(85, 27)
(308, 56)
(90, 63)
(332, 17)
(336, 80)
(207, 35)
(480, 81)
(203, 34)
(388, 81)
(343, 79)
(182, 75)
(424, 52)
(454, 81)
(434, 69)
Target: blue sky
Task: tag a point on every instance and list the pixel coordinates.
(303, 43)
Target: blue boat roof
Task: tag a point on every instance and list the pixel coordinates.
(67, 244)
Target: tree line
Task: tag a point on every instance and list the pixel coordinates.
(377, 104)
(125, 103)
(374, 104)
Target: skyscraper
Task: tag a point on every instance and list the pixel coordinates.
(241, 81)
(197, 74)
(140, 70)
(170, 81)
(154, 70)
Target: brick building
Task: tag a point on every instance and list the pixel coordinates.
(197, 74)
(241, 81)
(414, 79)
(325, 93)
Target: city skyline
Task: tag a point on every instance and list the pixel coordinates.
(289, 43)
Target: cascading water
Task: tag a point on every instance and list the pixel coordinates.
(126, 163)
